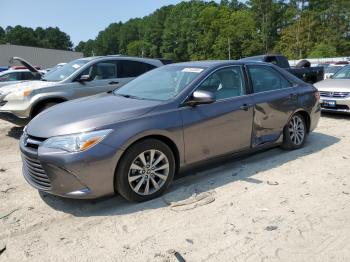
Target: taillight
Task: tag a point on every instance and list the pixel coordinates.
(317, 95)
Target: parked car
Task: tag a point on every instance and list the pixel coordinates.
(335, 92)
(302, 70)
(9, 77)
(79, 78)
(3, 68)
(16, 74)
(135, 139)
(331, 70)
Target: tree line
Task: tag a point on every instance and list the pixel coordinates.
(209, 30)
(197, 30)
(51, 37)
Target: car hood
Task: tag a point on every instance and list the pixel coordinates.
(335, 85)
(87, 114)
(21, 86)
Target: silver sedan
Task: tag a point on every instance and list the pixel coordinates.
(335, 92)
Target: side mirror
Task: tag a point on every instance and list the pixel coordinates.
(201, 97)
(84, 78)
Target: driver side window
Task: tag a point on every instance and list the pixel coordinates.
(101, 71)
(225, 83)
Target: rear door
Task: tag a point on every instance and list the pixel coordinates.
(221, 127)
(274, 99)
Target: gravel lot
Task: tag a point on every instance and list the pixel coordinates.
(271, 206)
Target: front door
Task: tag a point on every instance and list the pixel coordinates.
(103, 79)
(221, 127)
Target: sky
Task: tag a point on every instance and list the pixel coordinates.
(80, 19)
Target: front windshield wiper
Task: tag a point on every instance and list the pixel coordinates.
(130, 96)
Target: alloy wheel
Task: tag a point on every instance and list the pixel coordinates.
(148, 172)
(296, 130)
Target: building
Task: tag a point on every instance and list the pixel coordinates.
(43, 57)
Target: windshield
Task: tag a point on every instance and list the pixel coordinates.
(343, 73)
(332, 69)
(162, 84)
(65, 71)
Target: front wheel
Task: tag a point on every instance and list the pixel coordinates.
(145, 171)
(294, 134)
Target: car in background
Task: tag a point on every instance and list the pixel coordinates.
(133, 140)
(331, 70)
(302, 70)
(16, 74)
(3, 68)
(82, 77)
(335, 92)
(11, 76)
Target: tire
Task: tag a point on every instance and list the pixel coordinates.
(132, 183)
(294, 133)
(303, 63)
(43, 108)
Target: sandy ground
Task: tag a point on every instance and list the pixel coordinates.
(271, 206)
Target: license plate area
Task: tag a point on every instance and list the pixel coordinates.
(329, 103)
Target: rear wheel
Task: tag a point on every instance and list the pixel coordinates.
(145, 171)
(294, 134)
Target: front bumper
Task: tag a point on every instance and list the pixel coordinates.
(14, 119)
(84, 175)
(342, 105)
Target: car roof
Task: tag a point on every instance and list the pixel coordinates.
(218, 63)
(13, 70)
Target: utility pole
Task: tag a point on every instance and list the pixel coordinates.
(229, 48)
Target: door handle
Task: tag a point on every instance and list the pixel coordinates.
(113, 83)
(245, 107)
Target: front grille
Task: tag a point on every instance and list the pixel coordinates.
(35, 173)
(334, 94)
(32, 168)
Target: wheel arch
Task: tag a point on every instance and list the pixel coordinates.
(161, 137)
(306, 117)
(40, 103)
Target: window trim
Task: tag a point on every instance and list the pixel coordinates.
(270, 68)
(246, 86)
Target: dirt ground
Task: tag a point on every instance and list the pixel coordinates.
(271, 206)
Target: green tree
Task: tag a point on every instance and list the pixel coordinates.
(19, 35)
(323, 50)
(2, 35)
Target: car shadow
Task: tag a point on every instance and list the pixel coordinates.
(206, 178)
(15, 132)
(342, 116)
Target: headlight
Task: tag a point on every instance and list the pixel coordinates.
(76, 142)
(19, 95)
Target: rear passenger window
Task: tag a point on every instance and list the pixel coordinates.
(27, 76)
(266, 79)
(129, 68)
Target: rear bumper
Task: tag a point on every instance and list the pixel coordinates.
(12, 118)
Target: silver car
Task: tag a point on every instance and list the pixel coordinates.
(335, 92)
(82, 77)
